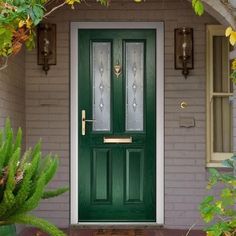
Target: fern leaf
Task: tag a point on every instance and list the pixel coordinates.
(44, 163)
(1, 138)
(10, 185)
(2, 157)
(25, 187)
(7, 203)
(22, 194)
(37, 222)
(24, 159)
(51, 170)
(36, 174)
(33, 201)
(7, 127)
(8, 196)
(18, 139)
(8, 145)
(37, 148)
(54, 193)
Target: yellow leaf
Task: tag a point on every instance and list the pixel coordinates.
(70, 2)
(228, 31)
(219, 204)
(28, 23)
(21, 23)
(209, 233)
(233, 66)
(232, 38)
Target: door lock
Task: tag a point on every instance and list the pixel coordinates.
(83, 113)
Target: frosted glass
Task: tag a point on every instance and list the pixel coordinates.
(101, 68)
(134, 86)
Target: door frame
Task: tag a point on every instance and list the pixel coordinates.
(74, 137)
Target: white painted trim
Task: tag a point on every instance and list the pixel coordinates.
(160, 123)
(73, 125)
(159, 27)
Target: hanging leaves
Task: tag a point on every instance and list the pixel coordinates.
(219, 209)
(198, 7)
(72, 2)
(229, 32)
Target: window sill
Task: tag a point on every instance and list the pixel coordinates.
(215, 165)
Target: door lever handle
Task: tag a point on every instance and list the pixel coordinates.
(89, 120)
(83, 114)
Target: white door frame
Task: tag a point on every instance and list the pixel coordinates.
(159, 27)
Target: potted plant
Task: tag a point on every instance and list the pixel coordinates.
(23, 179)
(221, 209)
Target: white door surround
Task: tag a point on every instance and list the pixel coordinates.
(159, 27)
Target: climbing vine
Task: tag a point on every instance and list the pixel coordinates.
(229, 32)
(19, 18)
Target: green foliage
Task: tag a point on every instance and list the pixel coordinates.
(17, 24)
(221, 209)
(54, 193)
(39, 223)
(19, 18)
(198, 7)
(5, 41)
(23, 180)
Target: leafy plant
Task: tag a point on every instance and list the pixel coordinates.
(198, 7)
(221, 209)
(19, 18)
(23, 179)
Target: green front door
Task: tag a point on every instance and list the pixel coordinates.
(117, 125)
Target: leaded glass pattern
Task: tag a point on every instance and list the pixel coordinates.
(101, 68)
(134, 85)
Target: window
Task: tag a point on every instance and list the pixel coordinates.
(219, 96)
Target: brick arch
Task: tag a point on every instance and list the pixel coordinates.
(219, 11)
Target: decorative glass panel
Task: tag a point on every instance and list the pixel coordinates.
(134, 86)
(101, 85)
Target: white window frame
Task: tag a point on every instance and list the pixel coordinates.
(214, 159)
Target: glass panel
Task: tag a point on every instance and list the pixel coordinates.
(222, 113)
(134, 86)
(101, 85)
(221, 81)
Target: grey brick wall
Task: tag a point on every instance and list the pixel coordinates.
(47, 106)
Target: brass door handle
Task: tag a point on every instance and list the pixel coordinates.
(83, 114)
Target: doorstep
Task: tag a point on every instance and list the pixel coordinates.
(117, 232)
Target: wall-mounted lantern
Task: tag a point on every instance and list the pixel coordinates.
(184, 50)
(46, 34)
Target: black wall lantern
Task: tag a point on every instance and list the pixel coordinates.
(184, 50)
(46, 34)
